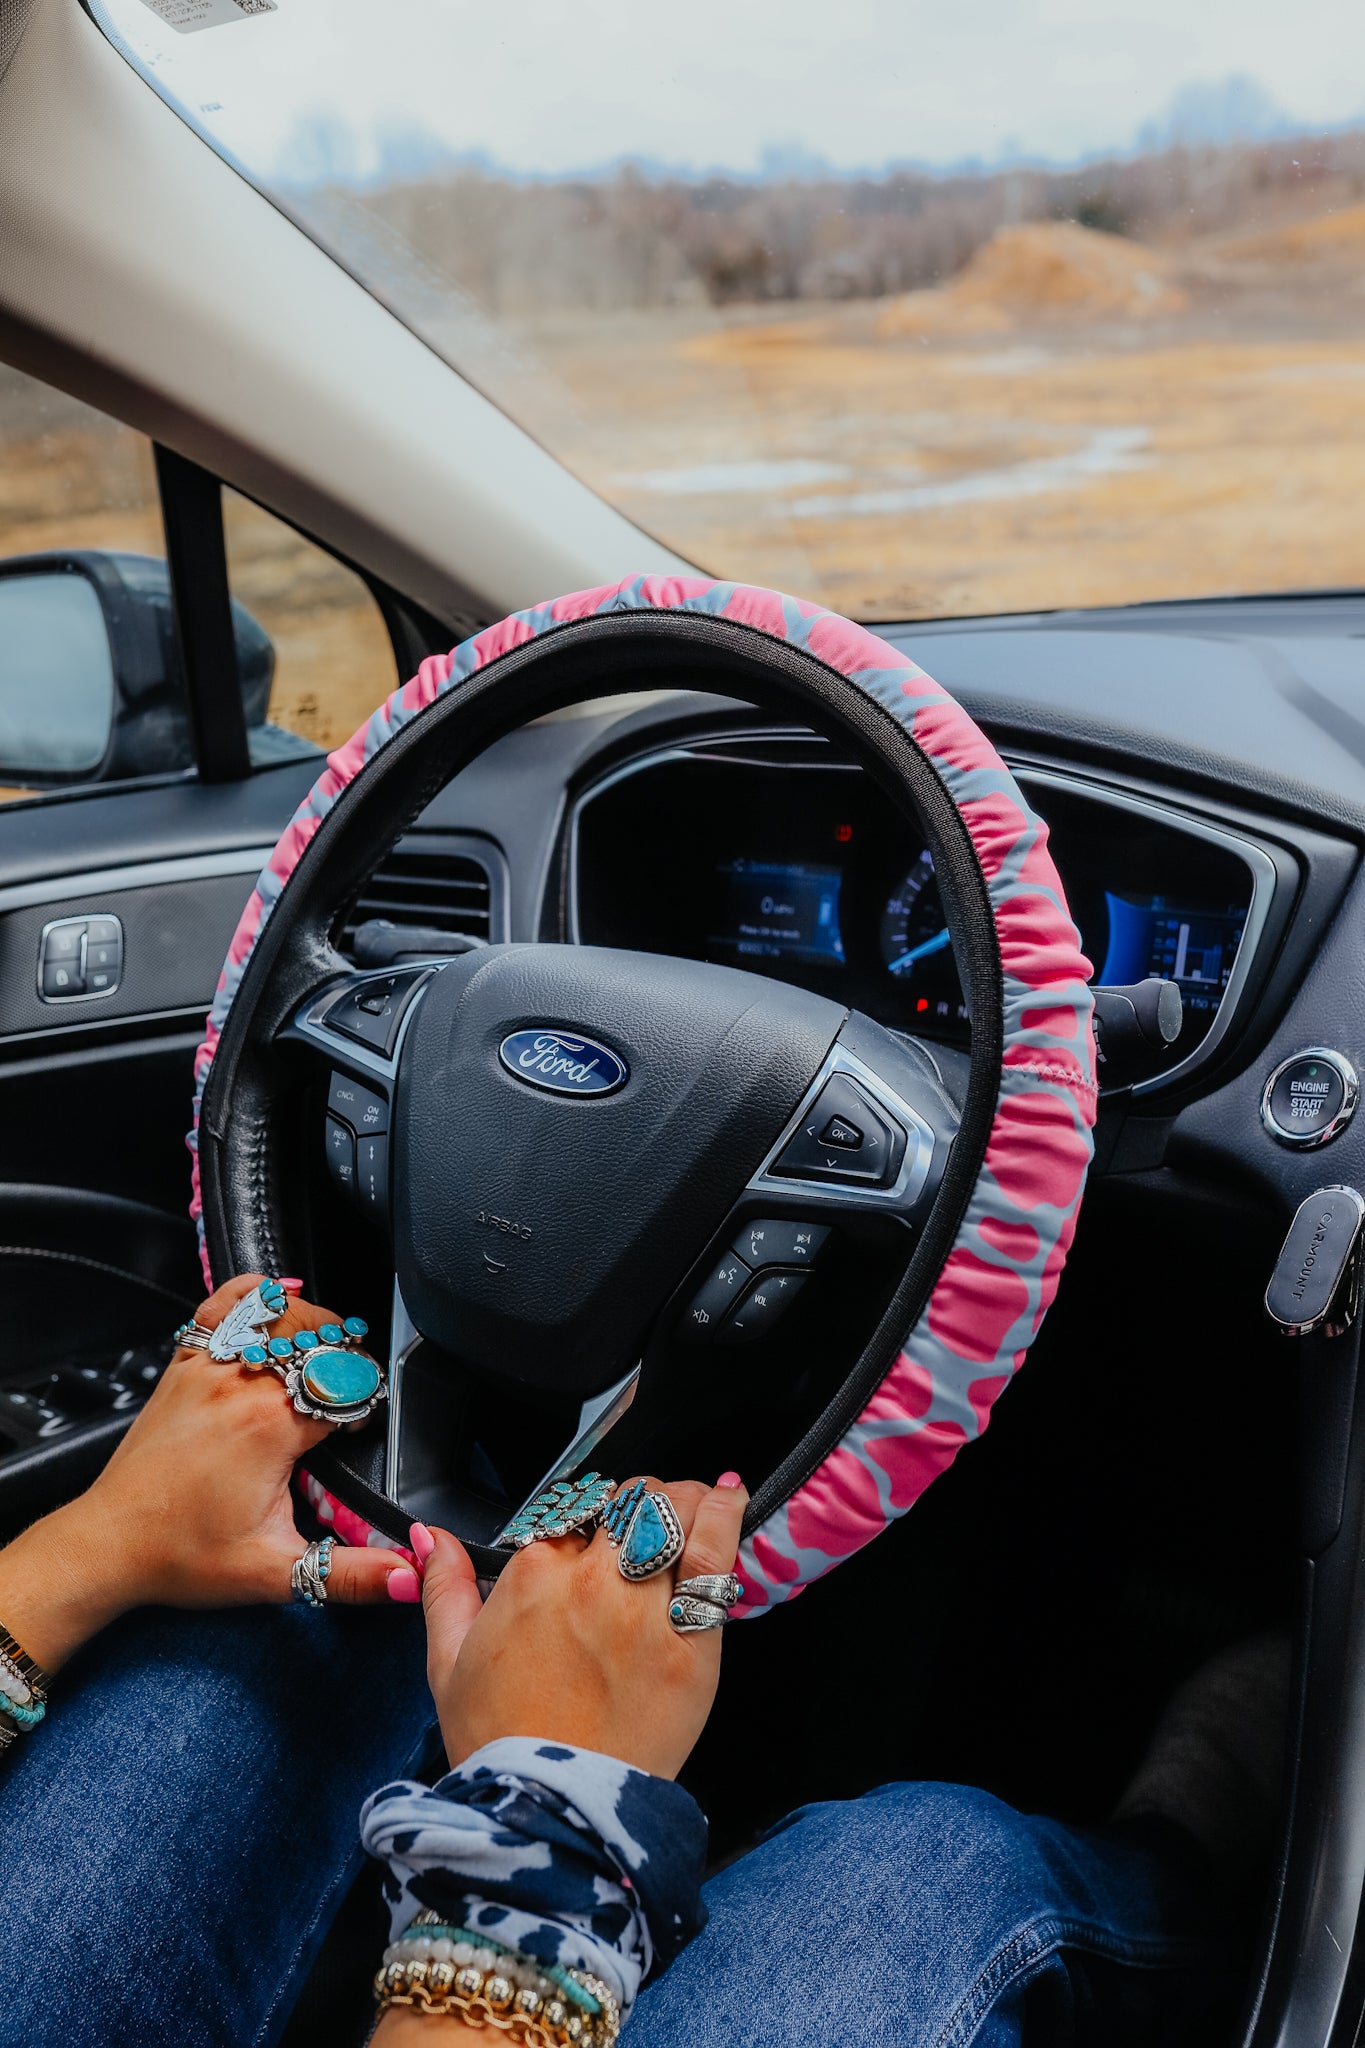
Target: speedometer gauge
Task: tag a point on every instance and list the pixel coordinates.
(917, 949)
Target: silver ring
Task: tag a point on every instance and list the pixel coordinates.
(308, 1574)
(722, 1589)
(690, 1617)
(192, 1336)
(645, 1530)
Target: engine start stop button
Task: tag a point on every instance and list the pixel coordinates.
(1310, 1098)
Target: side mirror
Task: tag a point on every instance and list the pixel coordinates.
(91, 686)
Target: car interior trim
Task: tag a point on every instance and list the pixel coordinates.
(1264, 882)
(201, 602)
(197, 867)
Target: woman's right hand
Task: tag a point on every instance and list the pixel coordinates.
(566, 1650)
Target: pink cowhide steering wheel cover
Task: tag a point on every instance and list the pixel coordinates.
(1001, 1275)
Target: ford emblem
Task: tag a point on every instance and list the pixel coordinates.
(562, 1062)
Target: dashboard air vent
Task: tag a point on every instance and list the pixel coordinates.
(432, 880)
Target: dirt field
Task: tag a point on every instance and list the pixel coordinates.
(919, 458)
(1072, 420)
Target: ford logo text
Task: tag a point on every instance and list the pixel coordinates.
(562, 1062)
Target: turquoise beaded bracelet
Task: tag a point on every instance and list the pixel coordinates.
(27, 1717)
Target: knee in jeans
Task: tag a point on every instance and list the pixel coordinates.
(938, 1835)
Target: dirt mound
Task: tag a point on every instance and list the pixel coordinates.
(1047, 270)
(1336, 238)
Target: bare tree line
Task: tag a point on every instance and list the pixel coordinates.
(630, 240)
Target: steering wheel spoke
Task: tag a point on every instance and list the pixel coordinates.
(873, 1130)
(861, 1158)
(353, 1027)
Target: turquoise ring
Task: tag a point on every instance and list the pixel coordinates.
(646, 1531)
(326, 1374)
(643, 1526)
(330, 1384)
(566, 1505)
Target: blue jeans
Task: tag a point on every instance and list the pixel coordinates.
(180, 1833)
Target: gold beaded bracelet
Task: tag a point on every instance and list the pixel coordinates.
(488, 1999)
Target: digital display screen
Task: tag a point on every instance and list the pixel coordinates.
(1195, 948)
(781, 910)
(816, 878)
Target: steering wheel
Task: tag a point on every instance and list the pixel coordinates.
(595, 1176)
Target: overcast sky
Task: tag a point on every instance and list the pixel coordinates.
(549, 86)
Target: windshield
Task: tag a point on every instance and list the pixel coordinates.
(910, 309)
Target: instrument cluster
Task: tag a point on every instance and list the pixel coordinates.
(779, 857)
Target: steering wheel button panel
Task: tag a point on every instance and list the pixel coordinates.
(717, 1297)
(371, 1010)
(843, 1138)
(768, 1298)
(372, 1173)
(361, 1107)
(769, 1242)
(341, 1154)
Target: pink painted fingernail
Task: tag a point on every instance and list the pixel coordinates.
(422, 1541)
(292, 1286)
(729, 1479)
(404, 1585)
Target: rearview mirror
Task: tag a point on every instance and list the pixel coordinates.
(91, 686)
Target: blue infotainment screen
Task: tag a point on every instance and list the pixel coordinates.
(782, 910)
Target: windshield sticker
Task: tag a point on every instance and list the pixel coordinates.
(188, 16)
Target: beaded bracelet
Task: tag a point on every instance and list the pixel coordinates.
(489, 1998)
(429, 1938)
(19, 1715)
(27, 1717)
(13, 1683)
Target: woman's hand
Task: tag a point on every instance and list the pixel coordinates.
(192, 1510)
(565, 1648)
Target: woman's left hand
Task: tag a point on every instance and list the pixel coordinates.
(192, 1510)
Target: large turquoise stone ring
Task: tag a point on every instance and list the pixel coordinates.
(335, 1383)
(339, 1379)
(646, 1531)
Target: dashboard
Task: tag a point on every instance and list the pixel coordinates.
(768, 851)
(1201, 768)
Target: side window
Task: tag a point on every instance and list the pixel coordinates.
(92, 686)
(333, 660)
